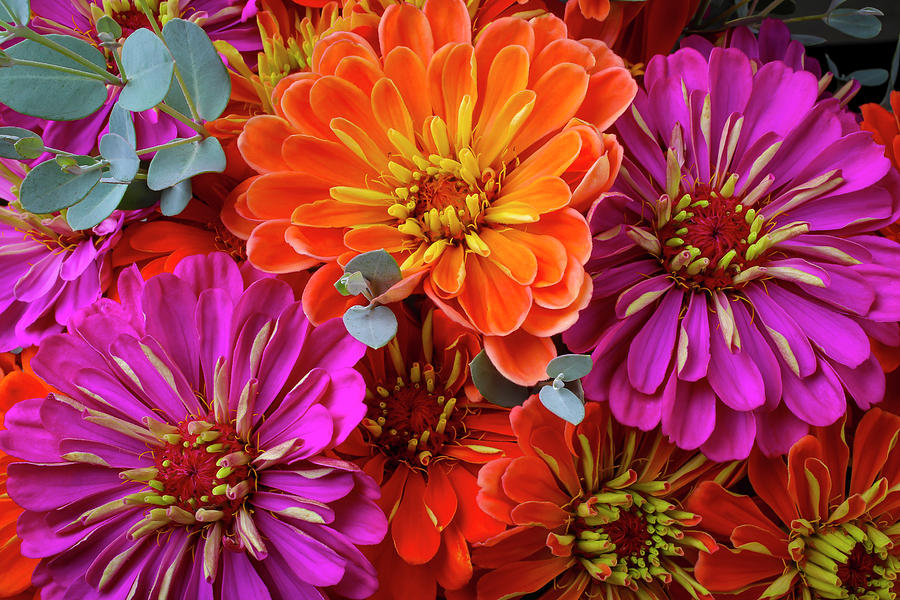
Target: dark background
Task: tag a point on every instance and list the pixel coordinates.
(850, 54)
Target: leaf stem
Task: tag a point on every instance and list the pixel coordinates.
(52, 67)
(28, 34)
(172, 144)
(183, 118)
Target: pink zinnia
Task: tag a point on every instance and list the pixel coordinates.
(735, 274)
(185, 455)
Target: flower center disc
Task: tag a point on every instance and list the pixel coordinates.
(203, 465)
(412, 422)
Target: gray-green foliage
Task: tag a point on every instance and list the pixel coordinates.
(57, 77)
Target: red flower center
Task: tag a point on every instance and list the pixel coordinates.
(629, 533)
(858, 571)
(412, 421)
(131, 20)
(204, 465)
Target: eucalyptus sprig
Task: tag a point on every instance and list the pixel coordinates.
(174, 69)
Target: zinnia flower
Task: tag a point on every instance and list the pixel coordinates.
(17, 384)
(423, 438)
(50, 271)
(425, 150)
(595, 512)
(736, 274)
(813, 529)
(185, 455)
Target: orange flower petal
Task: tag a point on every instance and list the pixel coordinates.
(722, 510)
(453, 564)
(520, 356)
(561, 51)
(449, 20)
(415, 535)
(407, 71)
(560, 92)
(17, 386)
(508, 76)
(513, 258)
(528, 478)
(268, 250)
(549, 252)
(331, 55)
(260, 143)
(440, 497)
(563, 294)
(770, 482)
(569, 227)
(331, 213)
(361, 72)
(609, 94)
(375, 237)
(544, 322)
(875, 438)
(405, 25)
(728, 570)
(515, 579)
(551, 159)
(319, 243)
(390, 109)
(449, 272)
(295, 104)
(476, 525)
(773, 540)
(276, 195)
(497, 35)
(495, 304)
(320, 300)
(545, 194)
(542, 514)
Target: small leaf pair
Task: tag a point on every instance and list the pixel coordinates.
(370, 274)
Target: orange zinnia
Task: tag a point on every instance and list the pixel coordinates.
(885, 128)
(17, 384)
(814, 528)
(424, 436)
(452, 157)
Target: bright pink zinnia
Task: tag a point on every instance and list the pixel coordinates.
(185, 455)
(735, 274)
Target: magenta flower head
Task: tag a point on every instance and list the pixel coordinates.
(736, 277)
(186, 455)
(49, 271)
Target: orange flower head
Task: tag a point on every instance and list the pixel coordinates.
(424, 436)
(451, 156)
(18, 383)
(814, 530)
(595, 512)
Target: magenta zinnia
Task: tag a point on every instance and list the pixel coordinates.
(185, 455)
(736, 277)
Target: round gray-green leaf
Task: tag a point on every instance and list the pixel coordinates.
(15, 11)
(96, 206)
(202, 71)
(854, 22)
(47, 188)
(495, 388)
(121, 123)
(570, 367)
(47, 93)
(10, 136)
(29, 147)
(123, 160)
(373, 326)
(138, 195)
(175, 198)
(107, 24)
(148, 67)
(562, 403)
(171, 165)
(351, 284)
(378, 267)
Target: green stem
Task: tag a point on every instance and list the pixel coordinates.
(28, 34)
(40, 65)
(171, 144)
(115, 54)
(183, 118)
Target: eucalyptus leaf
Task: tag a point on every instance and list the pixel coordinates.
(869, 77)
(96, 206)
(374, 326)
(202, 71)
(378, 267)
(854, 23)
(48, 188)
(171, 165)
(808, 40)
(175, 198)
(15, 11)
(175, 98)
(562, 403)
(570, 367)
(351, 284)
(107, 24)
(29, 147)
(148, 67)
(832, 67)
(895, 63)
(123, 160)
(10, 136)
(495, 388)
(47, 93)
(138, 195)
(121, 123)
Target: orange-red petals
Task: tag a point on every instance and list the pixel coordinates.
(460, 160)
(577, 500)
